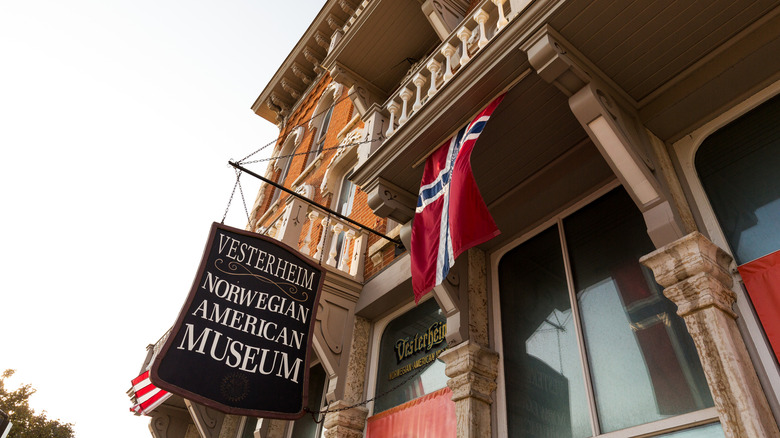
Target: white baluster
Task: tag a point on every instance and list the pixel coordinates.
(321, 243)
(405, 95)
(434, 67)
(357, 249)
(344, 259)
(464, 34)
(393, 107)
(481, 17)
(448, 50)
(305, 248)
(272, 232)
(502, 21)
(334, 243)
(418, 81)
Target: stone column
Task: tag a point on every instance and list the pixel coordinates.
(471, 366)
(350, 423)
(695, 275)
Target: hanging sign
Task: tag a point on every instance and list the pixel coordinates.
(241, 342)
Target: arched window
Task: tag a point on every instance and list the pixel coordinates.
(738, 167)
(344, 207)
(285, 157)
(320, 122)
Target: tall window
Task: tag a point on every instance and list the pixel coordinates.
(738, 167)
(322, 131)
(248, 431)
(344, 206)
(402, 352)
(306, 427)
(590, 344)
(282, 177)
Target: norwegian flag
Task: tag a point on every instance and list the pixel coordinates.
(146, 397)
(451, 215)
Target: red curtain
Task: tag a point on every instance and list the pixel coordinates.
(762, 280)
(430, 416)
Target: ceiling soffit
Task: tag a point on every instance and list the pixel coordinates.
(383, 43)
(643, 45)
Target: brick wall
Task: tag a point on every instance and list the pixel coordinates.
(343, 112)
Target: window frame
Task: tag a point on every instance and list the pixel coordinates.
(288, 147)
(322, 117)
(683, 152)
(667, 425)
(377, 330)
(289, 428)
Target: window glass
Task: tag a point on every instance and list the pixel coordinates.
(738, 168)
(282, 177)
(344, 206)
(305, 427)
(544, 380)
(324, 129)
(411, 342)
(633, 335)
(249, 428)
(642, 361)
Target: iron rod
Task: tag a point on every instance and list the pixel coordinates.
(309, 201)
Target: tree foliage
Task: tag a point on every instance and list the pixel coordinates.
(26, 423)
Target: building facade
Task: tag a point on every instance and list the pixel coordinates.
(631, 168)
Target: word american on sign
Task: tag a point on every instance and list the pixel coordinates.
(241, 341)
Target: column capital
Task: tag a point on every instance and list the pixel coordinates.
(347, 423)
(472, 370)
(686, 257)
(695, 275)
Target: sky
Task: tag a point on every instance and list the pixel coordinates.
(117, 119)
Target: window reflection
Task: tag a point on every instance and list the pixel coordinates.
(642, 362)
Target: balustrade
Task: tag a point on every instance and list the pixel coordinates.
(340, 245)
(455, 52)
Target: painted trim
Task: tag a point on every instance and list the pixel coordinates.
(377, 330)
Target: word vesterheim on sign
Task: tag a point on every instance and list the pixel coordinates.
(240, 344)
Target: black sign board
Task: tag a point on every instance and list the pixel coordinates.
(241, 342)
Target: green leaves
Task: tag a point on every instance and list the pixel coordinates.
(26, 423)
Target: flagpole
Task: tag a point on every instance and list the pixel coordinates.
(310, 202)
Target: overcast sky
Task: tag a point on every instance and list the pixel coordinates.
(117, 119)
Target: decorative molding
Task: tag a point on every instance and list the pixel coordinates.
(309, 54)
(346, 7)
(444, 15)
(159, 425)
(306, 190)
(207, 420)
(553, 62)
(695, 275)
(322, 40)
(389, 200)
(334, 24)
(472, 369)
(331, 94)
(284, 108)
(299, 71)
(288, 88)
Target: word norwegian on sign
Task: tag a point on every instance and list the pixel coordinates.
(241, 342)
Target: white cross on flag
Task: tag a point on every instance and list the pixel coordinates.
(451, 215)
